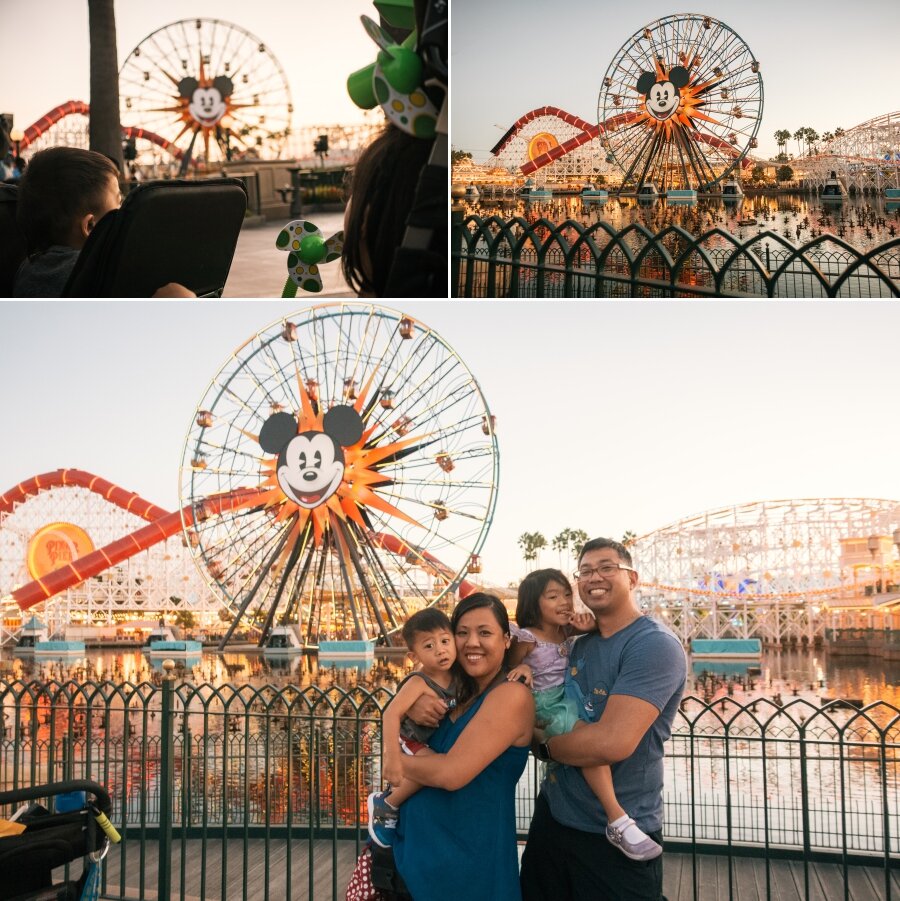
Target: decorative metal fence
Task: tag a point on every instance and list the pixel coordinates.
(493, 257)
(242, 792)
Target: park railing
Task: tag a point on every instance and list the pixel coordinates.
(494, 257)
(241, 792)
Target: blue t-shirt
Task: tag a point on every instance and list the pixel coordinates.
(644, 660)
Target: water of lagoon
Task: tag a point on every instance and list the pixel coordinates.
(863, 222)
(811, 675)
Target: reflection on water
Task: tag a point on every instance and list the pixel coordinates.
(790, 673)
(213, 668)
(863, 222)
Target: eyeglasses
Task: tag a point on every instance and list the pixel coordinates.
(605, 570)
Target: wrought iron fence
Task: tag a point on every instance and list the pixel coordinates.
(242, 792)
(494, 257)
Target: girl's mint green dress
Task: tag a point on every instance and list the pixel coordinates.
(553, 711)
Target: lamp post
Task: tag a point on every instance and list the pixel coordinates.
(17, 136)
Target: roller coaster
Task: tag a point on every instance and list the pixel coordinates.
(865, 158)
(142, 567)
(774, 570)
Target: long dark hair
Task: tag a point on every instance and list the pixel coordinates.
(381, 192)
(528, 606)
(468, 687)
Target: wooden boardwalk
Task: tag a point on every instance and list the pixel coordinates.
(332, 864)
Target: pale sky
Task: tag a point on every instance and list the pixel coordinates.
(610, 416)
(46, 55)
(825, 65)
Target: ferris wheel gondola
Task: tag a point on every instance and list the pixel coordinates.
(680, 105)
(340, 473)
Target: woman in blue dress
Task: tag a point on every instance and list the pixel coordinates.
(456, 837)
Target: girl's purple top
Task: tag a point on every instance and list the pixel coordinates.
(548, 661)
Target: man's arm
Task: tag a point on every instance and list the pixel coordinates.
(612, 738)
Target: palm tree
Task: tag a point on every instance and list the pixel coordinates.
(561, 543)
(812, 136)
(799, 134)
(782, 136)
(629, 538)
(579, 540)
(531, 544)
(105, 127)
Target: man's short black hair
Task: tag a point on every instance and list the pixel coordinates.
(599, 544)
(428, 620)
(60, 185)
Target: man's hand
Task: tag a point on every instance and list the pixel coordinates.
(428, 710)
(521, 673)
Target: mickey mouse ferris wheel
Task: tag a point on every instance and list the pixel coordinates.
(207, 88)
(340, 473)
(680, 105)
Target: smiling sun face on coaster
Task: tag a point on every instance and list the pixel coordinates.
(307, 250)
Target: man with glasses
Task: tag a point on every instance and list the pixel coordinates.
(627, 680)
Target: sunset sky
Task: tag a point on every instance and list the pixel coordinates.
(610, 416)
(824, 65)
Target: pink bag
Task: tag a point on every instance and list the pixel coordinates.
(360, 887)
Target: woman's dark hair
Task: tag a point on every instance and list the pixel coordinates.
(528, 606)
(60, 185)
(382, 189)
(467, 685)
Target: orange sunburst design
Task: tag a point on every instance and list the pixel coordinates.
(355, 491)
(689, 109)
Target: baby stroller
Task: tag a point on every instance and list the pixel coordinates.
(79, 828)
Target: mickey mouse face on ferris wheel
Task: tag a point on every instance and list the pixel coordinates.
(663, 97)
(206, 105)
(311, 464)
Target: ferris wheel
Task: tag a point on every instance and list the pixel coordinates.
(680, 105)
(208, 89)
(341, 473)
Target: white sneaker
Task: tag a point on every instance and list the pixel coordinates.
(642, 849)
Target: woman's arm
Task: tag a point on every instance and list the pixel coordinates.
(506, 718)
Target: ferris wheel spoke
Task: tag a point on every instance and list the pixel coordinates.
(250, 108)
(721, 95)
(250, 595)
(429, 485)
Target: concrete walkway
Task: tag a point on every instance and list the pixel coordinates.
(259, 269)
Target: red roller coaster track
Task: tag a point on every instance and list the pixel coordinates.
(162, 525)
(588, 133)
(80, 108)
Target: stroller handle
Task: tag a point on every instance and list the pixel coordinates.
(103, 801)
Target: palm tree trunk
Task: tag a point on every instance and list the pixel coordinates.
(105, 128)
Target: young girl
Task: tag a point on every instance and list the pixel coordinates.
(544, 637)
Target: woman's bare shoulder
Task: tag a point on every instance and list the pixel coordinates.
(515, 695)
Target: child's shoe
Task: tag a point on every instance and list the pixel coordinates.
(631, 840)
(382, 819)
